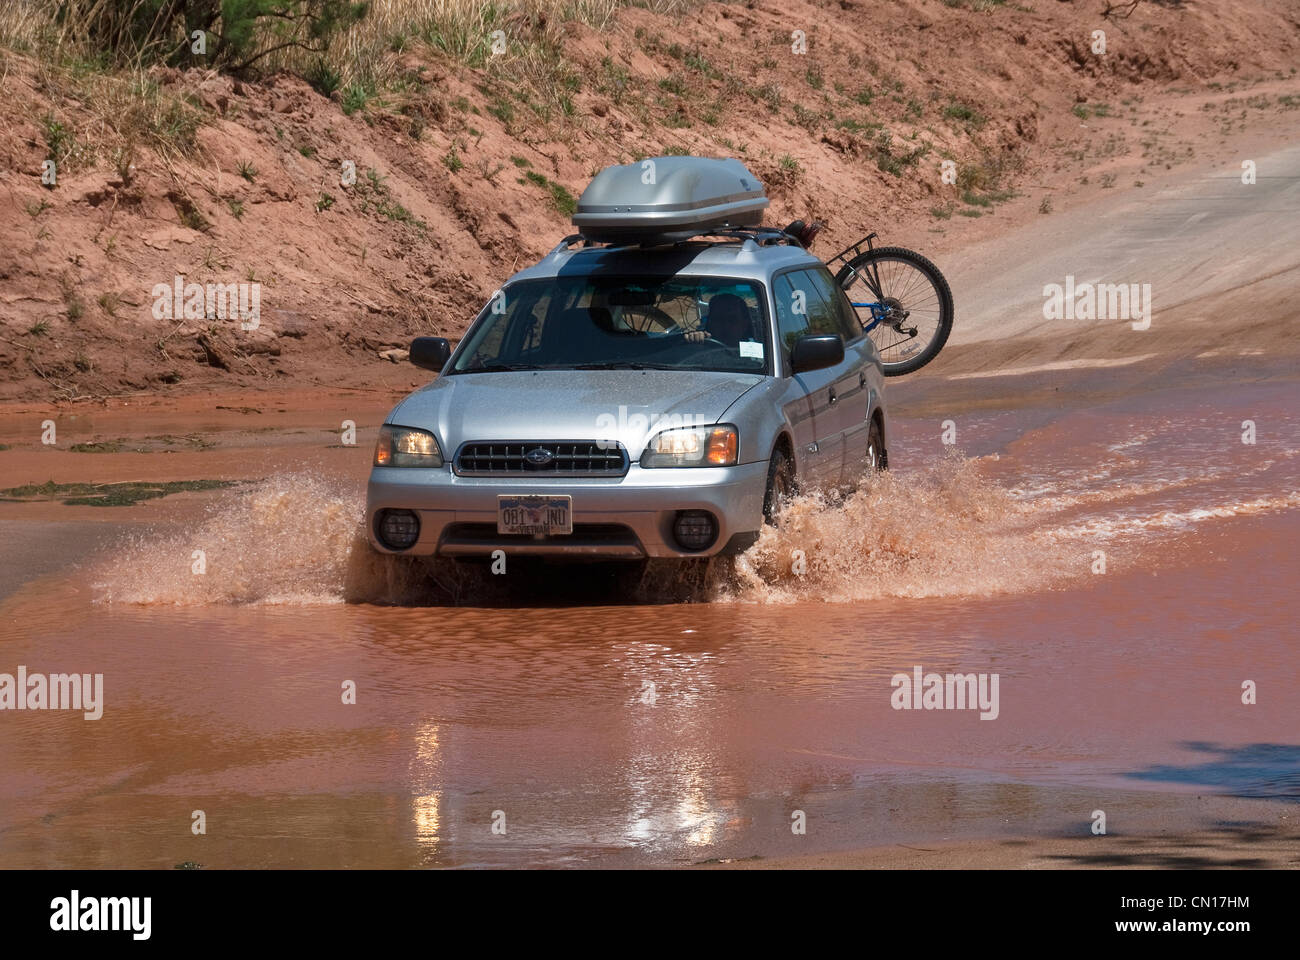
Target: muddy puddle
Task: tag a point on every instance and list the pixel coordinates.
(1122, 568)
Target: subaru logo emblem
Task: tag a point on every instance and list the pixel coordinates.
(539, 456)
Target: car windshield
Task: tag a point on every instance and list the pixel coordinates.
(613, 323)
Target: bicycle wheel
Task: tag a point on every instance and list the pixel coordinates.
(907, 299)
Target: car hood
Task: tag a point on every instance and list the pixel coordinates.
(625, 405)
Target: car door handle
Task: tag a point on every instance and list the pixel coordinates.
(833, 396)
(862, 379)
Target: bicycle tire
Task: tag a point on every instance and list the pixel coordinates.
(853, 269)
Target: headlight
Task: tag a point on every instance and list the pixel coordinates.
(692, 447)
(406, 447)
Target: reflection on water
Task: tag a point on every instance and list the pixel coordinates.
(425, 774)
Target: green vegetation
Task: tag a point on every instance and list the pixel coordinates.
(805, 118)
(503, 110)
(854, 126)
(374, 193)
(965, 114)
(108, 494)
(978, 6)
(236, 34)
(770, 93)
(673, 83)
(561, 199)
(58, 139)
(896, 163)
(355, 97)
(322, 77)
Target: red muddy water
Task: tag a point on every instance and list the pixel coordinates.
(647, 731)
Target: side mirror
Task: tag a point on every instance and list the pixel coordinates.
(431, 353)
(815, 351)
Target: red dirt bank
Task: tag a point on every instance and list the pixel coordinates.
(1010, 93)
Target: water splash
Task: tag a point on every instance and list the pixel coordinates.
(943, 530)
(292, 539)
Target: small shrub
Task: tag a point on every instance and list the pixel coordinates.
(356, 96)
(323, 78)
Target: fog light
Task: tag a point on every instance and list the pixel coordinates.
(695, 529)
(397, 529)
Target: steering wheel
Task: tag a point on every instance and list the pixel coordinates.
(665, 322)
(712, 344)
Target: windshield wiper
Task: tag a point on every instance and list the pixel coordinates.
(623, 365)
(500, 368)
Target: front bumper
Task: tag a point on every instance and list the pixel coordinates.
(628, 517)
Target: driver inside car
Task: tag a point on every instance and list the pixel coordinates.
(728, 322)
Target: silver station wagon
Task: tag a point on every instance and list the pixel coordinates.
(651, 389)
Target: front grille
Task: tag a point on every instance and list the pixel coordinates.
(568, 458)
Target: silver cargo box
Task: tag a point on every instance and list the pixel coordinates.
(665, 199)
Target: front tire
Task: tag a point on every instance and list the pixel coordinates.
(876, 459)
(780, 484)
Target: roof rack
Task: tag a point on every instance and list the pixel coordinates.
(762, 236)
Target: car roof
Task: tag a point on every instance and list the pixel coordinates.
(742, 258)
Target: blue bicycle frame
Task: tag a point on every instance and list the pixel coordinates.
(878, 314)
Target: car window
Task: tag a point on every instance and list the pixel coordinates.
(791, 311)
(847, 324)
(802, 309)
(673, 322)
(834, 314)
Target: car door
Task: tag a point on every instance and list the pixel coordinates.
(811, 405)
(851, 392)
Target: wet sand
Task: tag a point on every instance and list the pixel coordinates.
(644, 731)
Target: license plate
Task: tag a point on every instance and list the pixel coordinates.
(536, 515)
